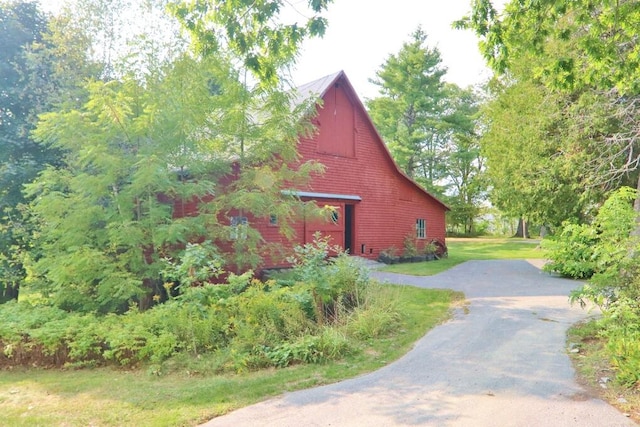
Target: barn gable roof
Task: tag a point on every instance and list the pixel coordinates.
(320, 87)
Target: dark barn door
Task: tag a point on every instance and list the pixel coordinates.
(348, 228)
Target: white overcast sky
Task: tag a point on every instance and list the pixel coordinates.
(363, 33)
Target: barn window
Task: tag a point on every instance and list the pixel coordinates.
(273, 219)
(238, 227)
(335, 217)
(421, 228)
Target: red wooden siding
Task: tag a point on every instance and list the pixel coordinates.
(335, 122)
(377, 205)
(358, 164)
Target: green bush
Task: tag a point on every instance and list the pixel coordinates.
(607, 253)
(335, 283)
(246, 324)
(263, 318)
(329, 345)
(621, 327)
(582, 251)
(572, 252)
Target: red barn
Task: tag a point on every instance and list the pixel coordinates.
(377, 205)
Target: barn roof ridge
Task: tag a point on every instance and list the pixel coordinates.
(320, 86)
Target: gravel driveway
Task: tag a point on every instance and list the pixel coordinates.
(500, 362)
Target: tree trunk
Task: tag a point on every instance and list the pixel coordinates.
(9, 293)
(543, 231)
(523, 230)
(154, 294)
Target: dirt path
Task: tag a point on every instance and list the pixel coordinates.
(500, 362)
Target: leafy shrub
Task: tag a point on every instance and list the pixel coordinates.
(243, 325)
(614, 264)
(335, 283)
(329, 345)
(580, 251)
(265, 318)
(197, 264)
(572, 253)
(409, 245)
(349, 278)
(310, 262)
(622, 330)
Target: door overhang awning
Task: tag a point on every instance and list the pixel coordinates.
(313, 195)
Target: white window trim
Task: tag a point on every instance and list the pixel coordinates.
(238, 227)
(421, 228)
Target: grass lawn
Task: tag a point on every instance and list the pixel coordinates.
(191, 395)
(461, 250)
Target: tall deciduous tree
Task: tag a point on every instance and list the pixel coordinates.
(524, 145)
(574, 43)
(22, 26)
(107, 218)
(43, 61)
(409, 111)
(464, 163)
(252, 31)
(584, 56)
(193, 135)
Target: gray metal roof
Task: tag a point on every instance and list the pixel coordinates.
(316, 88)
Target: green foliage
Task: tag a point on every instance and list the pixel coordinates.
(609, 251)
(409, 245)
(329, 345)
(251, 31)
(464, 162)
(199, 263)
(35, 78)
(311, 259)
(430, 126)
(191, 388)
(22, 26)
(246, 324)
(562, 125)
(377, 316)
(409, 112)
(572, 43)
(622, 331)
(335, 283)
(134, 155)
(164, 151)
(572, 252)
(599, 249)
(266, 317)
(535, 165)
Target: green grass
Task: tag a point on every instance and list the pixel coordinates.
(461, 250)
(190, 395)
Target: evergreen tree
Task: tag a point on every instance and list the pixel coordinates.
(409, 112)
